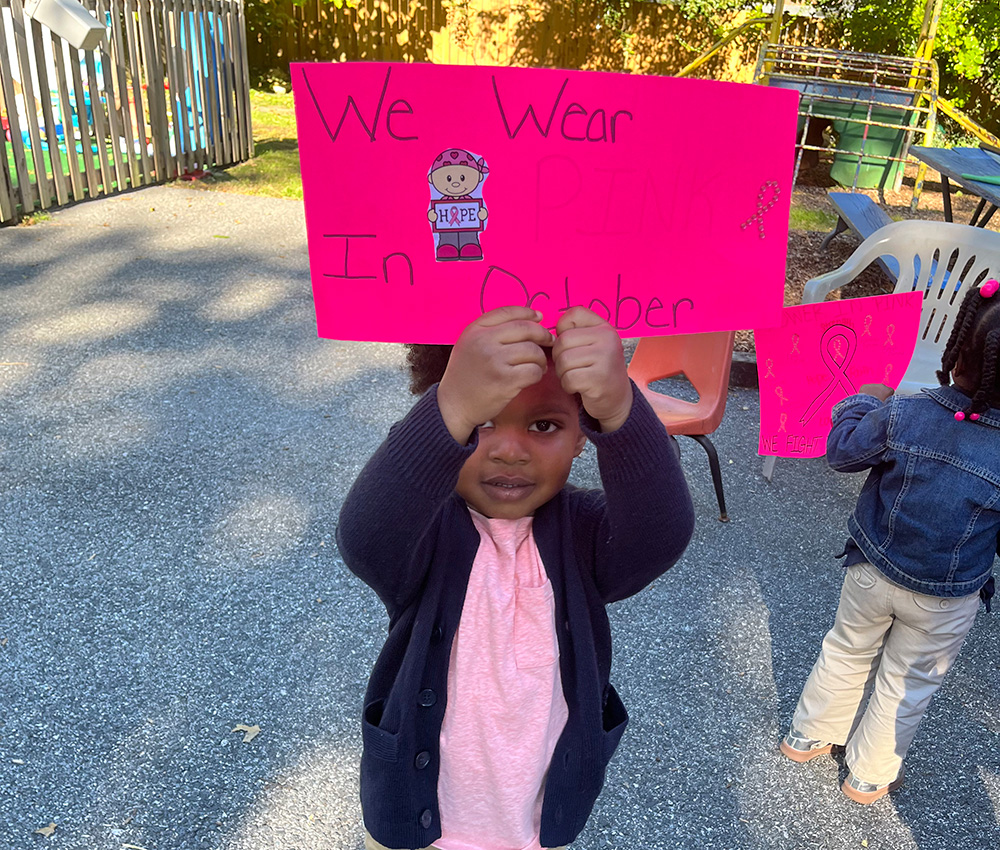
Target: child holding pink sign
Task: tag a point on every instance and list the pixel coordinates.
(489, 718)
(923, 537)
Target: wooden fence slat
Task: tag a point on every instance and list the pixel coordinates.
(105, 122)
(199, 91)
(232, 69)
(221, 44)
(155, 91)
(201, 81)
(142, 86)
(133, 51)
(24, 188)
(8, 200)
(229, 109)
(242, 84)
(8, 203)
(66, 111)
(83, 124)
(118, 112)
(51, 136)
(211, 76)
(130, 154)
(99, 131)
(175, 88)
(42, 186)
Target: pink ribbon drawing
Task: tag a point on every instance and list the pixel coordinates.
(763, 207)
(780, 393)
(889, 331)
(834, 339)
(454, 216)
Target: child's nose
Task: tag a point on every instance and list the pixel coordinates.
(507, 445)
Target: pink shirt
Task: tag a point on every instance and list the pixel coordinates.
(506, 708)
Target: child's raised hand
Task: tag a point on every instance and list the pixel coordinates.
(880, 391)
(497, 356)
(589, 360)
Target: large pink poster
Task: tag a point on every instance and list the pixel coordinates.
(822, 353)
(433, 193)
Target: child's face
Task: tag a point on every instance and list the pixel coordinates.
(455, 180)
(525, 453)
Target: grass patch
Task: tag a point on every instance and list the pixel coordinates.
(802, 218)
(273, 171)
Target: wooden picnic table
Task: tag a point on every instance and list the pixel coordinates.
(951, 164)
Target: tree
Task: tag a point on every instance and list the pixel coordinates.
(967, 48)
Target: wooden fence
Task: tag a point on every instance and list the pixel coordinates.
(167, 94)
(532, 33)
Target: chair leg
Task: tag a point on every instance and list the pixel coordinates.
(713, 462)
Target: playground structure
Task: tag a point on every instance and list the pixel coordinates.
(166, 94)
(873, 105)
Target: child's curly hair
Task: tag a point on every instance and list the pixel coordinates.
(426, 364)
(975, 340)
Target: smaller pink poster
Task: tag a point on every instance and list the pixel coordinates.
(822, 353)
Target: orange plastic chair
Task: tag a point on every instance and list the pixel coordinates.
(704, 359)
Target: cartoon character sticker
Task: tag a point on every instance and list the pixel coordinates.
(457, 212)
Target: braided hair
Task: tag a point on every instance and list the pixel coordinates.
(973, 349)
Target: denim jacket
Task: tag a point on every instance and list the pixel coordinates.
(928, 516)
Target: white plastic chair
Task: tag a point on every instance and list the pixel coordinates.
(935, 257)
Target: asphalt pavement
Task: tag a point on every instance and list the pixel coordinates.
(175, 444)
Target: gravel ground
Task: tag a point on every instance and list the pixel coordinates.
(175, 443)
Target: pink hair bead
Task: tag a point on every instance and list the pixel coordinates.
(974, 416)
(959, 416)
(988, 289)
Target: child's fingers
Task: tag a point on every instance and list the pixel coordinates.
(578, 317)
(509, 313)
(523, 351)
(512, 325)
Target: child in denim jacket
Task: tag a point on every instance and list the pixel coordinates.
(923, 538)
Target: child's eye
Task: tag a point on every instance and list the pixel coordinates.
(462, 178)
(543, 426)
(487, 424)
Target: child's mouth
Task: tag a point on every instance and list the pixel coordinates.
(507, 488)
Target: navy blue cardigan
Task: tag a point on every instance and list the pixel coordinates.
(406, 533)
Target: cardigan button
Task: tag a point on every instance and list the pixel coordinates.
(422, 760)
(427, 698)
(437, 634)
(566, 625)
(426, 818)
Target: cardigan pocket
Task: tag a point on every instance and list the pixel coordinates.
(380, 743)
(615, 719)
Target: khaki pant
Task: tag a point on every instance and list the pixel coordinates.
(372, 844)
(889, 647)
